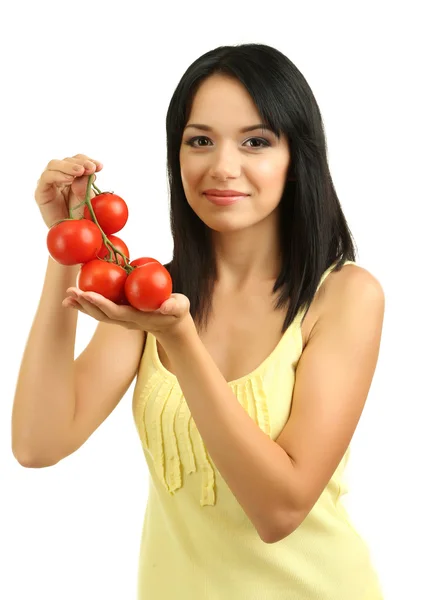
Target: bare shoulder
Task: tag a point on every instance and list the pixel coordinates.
(349, 282)
(354, 289)
(352, 286)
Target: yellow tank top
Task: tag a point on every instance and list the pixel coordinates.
(197, 543)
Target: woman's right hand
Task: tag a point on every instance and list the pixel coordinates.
(62, 185)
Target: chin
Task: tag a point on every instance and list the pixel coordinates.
(226, 223)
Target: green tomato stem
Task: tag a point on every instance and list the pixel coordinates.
(78, 206)
(97, 189)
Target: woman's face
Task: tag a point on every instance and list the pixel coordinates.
(217, 153)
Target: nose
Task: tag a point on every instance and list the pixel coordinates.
(225, 163)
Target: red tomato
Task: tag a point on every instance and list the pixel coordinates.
(143, 261)
(74, 241)
(111, 212)
(119, 244)
(123, 299)
(148, 286)
(104, 278)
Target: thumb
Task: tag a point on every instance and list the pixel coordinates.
(168, 307)
(176, 305)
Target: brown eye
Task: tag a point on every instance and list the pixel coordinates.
(262, 143)
(192, 141)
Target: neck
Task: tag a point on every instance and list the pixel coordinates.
(248, 256)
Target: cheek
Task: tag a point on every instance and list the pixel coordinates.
(190, 174)
(270, 171)
(191, 178)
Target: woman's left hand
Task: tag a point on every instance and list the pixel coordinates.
(168, 319)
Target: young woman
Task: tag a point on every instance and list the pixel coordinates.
(252, 376)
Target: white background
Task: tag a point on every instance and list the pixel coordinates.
(96, 78)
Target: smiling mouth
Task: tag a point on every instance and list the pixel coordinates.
(224, 193)
(223, 200)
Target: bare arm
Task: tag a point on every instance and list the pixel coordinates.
(59, 402)
(44, 398)
(103, 374)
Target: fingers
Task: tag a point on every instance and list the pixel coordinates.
(66, 170)
(93, 311)
(80, 162)
(99, 308)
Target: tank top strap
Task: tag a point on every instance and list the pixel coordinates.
(329, 270)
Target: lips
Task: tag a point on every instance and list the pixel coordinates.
(225, 200)
(224, 193)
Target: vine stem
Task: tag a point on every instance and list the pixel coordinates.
(112, 249)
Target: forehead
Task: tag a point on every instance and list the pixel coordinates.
(222, 99)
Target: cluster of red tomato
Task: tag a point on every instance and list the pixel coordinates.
(143, 283)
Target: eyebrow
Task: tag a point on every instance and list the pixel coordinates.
(243, 130)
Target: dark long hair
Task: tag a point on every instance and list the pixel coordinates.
(314, 231)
